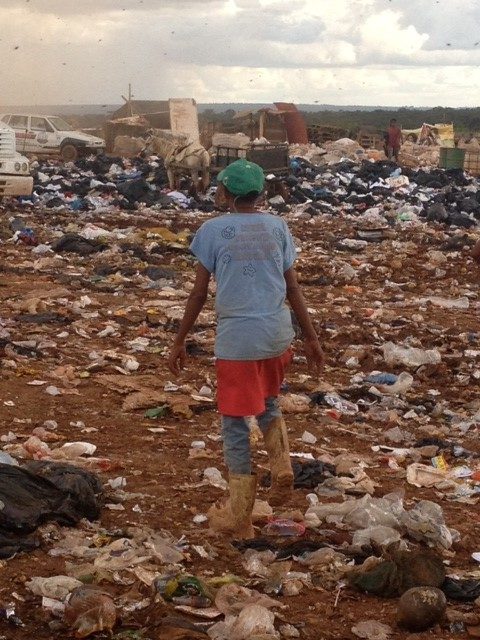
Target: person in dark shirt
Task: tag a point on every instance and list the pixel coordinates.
(394, 140)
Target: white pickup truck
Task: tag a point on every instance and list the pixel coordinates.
(50, 135)
(15, 178)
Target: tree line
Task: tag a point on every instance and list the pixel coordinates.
(465, 121)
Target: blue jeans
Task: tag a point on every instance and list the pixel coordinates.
(236, 437)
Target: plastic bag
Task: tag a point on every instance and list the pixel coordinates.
(448, 303)
(77, 449)
(372, 512)
(409, 356)
(214, 477)
(400, 386)
(379, 535)
(421, 475)
(425, 522)
(340, 404)
(55, 587)
(256, 562)
(253, 622)
(6, 458)
(90, 610)
(231, 599)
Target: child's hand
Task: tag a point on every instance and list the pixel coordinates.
(314, 354)
(177, 358)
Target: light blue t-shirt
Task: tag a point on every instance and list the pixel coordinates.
(248, 253)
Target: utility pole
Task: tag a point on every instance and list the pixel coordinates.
(129, 99)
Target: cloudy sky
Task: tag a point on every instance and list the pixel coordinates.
(371, 52)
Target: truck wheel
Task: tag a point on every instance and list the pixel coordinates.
(69, 153)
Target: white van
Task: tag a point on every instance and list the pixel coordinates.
(47, 135)
(15, 178)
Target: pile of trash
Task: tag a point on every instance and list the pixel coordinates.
(379, 194)
(334, 152)
(416, 155)
(107, 183)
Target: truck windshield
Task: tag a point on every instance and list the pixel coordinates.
(60, 124)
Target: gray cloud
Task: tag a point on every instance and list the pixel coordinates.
(450, 24)
(63, 8)
(360, 50)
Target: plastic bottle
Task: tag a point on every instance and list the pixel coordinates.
(381, 378)
(183, 589)
(198, 602)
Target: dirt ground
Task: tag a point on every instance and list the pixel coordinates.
(379, 305)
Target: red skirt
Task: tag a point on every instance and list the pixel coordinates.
(243, 385)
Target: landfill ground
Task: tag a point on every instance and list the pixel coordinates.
(381, 304)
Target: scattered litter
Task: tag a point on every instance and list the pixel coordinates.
(97, 273)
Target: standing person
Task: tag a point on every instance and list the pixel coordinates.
(251, 256)
(394, 140)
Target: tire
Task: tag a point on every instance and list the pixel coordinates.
(69, 153)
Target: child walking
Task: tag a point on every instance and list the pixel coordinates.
(251, 255)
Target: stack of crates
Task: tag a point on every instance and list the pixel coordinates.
(472, 162)
(451, 158)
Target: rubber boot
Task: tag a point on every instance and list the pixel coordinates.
(235, 517)
(276, 444)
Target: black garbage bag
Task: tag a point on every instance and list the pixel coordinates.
(56, 201)
(284, 550)
(134, 190)
(73, 243)
(13, 544)
(84, 487)
(400, 571)
(29, 352)
(437, 213)
(461, 220)
(307, 475)
(457, 243)
(43, 492)
(158, 273)
(462, 590)
(47, 317)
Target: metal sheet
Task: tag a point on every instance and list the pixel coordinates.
(294, 123)
(184, 117)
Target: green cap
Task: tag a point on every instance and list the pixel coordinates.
(242, 177)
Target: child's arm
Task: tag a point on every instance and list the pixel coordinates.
(311, 345)
(195, 302)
